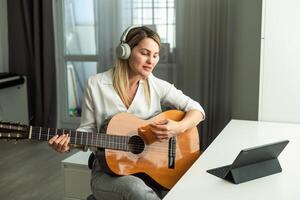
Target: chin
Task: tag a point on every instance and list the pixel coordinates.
(145, 75)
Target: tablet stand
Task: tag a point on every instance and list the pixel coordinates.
(253, 171)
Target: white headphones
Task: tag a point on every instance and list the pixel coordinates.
(123, 49)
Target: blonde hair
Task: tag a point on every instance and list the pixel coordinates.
(121, 67)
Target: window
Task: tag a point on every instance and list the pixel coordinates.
(87, 32)
(160, 14)
(80, 49)
(77, 54)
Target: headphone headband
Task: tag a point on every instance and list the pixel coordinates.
(124, 35)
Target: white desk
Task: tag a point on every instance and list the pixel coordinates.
(77, 176)
(237, 135)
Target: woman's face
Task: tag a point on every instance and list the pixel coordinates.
(143, 58)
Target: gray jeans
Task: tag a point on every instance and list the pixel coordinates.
(107, 187)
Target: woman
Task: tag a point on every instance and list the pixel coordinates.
(131, 87)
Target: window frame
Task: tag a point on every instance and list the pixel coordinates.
(63, 118)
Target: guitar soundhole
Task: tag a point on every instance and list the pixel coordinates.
(136, 144)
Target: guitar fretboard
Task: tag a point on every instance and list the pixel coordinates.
(89, 139)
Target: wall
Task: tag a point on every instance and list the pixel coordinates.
(3, 37)
(245, 34)
(280, 64)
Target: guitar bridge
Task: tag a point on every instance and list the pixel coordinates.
(172, 152)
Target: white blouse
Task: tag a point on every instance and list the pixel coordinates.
(101, 101)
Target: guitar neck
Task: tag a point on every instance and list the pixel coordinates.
(78, 138)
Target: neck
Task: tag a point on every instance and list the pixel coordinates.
(79, 138)
(133, 82)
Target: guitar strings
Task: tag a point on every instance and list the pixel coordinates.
(118, 145)
(155, 147)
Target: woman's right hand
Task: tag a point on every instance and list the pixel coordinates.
(60, 143)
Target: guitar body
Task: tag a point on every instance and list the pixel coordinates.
(153, 158)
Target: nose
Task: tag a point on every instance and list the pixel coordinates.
(150, 60)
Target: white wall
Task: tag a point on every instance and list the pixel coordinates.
(280, 62)
(3, 37)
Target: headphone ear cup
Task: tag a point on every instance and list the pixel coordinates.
(123, 51)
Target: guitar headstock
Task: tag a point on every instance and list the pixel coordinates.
(9, 130)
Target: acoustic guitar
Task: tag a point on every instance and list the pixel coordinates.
(129, 146)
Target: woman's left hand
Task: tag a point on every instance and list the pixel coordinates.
(165, 129)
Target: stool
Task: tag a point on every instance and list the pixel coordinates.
(91, 197)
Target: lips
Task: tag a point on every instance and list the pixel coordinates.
(147, 68)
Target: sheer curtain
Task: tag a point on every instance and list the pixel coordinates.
(203, 65)
(3, 37)
(106, 23)
(112, 17)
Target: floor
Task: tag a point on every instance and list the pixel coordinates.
(30, 170)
